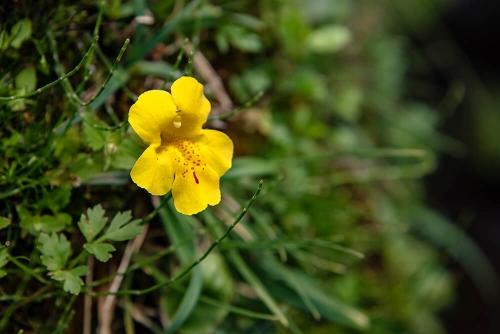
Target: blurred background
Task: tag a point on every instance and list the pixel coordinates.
(376, 136)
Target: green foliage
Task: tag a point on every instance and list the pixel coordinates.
(71, 278)
(3, 261)
(55, 250)
(20, 32)
(122, 228)
(92, 223)
(325, 115)
(4, 222)
(101, 251)
(34, 224)
(328, 39)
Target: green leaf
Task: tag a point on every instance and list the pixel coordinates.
(222, 42)
(178, 229)
(252, 167)
(329, 307)
(243, 39)
(329, 39)
(4, 40)
(93, 222)
(55, 250)
(126, 154)
(4, 222)
(86, 166)
(55, 199)
(26, 79)
(71, 278)
(46, 224)
(189, 301)
(255, 282)
(95, 138)
(218, 284)
(20, 32)
(122, 228)
(100, 251)
(3, 260)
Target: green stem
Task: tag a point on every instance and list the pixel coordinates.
(176, 65)
(27, 270)
(189, 65)
(53, 83)
(62, 324)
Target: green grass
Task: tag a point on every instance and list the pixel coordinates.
(323, 226)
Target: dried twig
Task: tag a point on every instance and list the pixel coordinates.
(214, 81)
(108, 306)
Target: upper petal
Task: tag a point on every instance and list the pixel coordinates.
(154, 170)
(216, 148)
(151, 113)
(191, 103)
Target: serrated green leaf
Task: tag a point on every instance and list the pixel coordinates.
(20, 32)
(92, 223)
(56, 250)
(4, 222)
(121, 228)
(71, 278)
(100, 251)
(80, 271)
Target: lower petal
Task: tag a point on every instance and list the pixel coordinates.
(195, 190)
(216, 148)
(154, 171)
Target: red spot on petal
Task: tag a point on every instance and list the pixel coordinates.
(195, 178)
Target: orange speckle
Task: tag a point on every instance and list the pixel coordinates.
(195, 178)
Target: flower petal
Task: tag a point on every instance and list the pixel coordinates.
(154, 170)
(193, 191)
(151, 113)
(194, 107)
(216, 148)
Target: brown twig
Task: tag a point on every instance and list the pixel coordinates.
(108, 306)
(209, 75)
(87, 300)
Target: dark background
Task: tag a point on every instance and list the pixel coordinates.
(469, 184)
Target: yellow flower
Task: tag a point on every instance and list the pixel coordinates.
(181, 156)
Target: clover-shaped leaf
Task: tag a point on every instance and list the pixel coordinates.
(55, 250)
